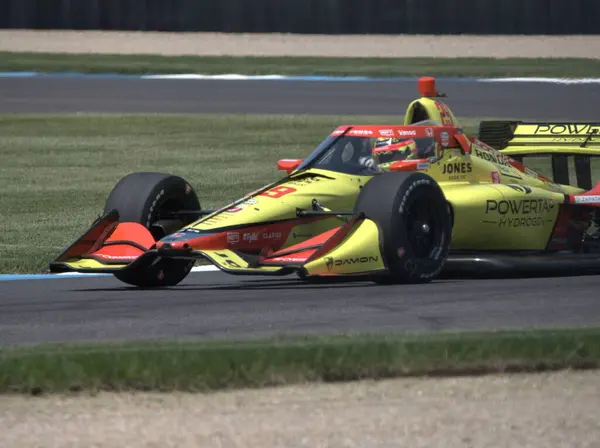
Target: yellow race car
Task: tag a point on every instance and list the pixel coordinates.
(395, 204)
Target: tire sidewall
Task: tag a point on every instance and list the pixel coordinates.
(399, 251)
(387, 199)
(141, 197)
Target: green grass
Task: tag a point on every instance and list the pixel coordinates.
(209, 366)
(376, 67)
(57, 170)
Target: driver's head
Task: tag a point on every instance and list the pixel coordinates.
(389, 150)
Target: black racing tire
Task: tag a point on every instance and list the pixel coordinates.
(415, 224)
(143, 198)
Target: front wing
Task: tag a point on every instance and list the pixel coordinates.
(110, 246)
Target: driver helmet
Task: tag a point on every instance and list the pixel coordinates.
(389, 150)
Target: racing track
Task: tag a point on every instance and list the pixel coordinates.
(216, 305)
(466, 98)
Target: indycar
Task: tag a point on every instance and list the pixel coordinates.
(390, 203)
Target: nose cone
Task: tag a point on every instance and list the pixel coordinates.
(192, 239)
(177, 241)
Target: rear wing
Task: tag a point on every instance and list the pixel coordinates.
(559, 140)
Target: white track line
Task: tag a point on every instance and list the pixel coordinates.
(545, 80)
(6, 277)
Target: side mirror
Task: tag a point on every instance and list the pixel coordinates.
(288, 165)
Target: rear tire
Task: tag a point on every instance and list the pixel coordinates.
(144, 198)
(415, 223)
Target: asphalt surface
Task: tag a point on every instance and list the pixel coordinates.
(467, 99)
(218, 305)
(215, 305)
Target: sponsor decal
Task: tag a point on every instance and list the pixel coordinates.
(403, 132)
(304, 181)
(497, 158)
(565, 139)
(349, 261)
(250, 237)
(523, 206)
(560, 129)
(238, 207)
(360, 132)
(444, 113)
(509, 172)
(457, 168)
(277, 192)
(529, 209)
(337, 132)
(329, 263)
(192, 231)
(423, 166)
(584, 199)
(117, 257)
(271, 235)
(445, 139)
(530, 221)
(288, 260)
(429, 132)
(484, 146)
(520, 188)
(233, 237)
(230, 263)
(234, 209)
(495, 177)
(386, 132)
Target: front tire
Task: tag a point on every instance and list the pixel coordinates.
(415, 223)
(146, 198)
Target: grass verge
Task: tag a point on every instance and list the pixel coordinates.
(373, 67)
(57, 170)
(208, 366)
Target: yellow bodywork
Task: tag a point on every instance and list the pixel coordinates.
(359, 252)
(91, 265)
(231, 262)
(500, 215)
(335, 190)
(545, 138)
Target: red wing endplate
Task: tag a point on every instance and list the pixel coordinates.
(590, 198)
(297, 254)
(106, 244)
(310, 249)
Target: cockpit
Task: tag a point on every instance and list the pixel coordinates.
(367, 155)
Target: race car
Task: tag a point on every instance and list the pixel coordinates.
(389, 203)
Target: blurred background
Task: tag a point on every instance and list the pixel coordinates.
(309, 16)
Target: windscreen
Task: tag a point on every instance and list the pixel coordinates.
(354, 155)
